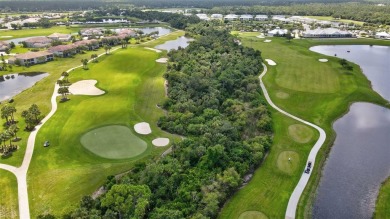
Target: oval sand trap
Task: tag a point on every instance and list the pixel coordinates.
(323, 60)
(162, 60)
(85, 87)
(113, 142)
(270, 62)
(300, 133)
(267, 41)
(252, 215)
(143, 128)
(282, 95)
(160, 142)
(153, 49)
(286, 165)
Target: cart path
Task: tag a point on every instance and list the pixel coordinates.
(294, 198)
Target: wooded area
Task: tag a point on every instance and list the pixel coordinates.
(215, 101)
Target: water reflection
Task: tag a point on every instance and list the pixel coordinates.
(13, 84)
(182, 42)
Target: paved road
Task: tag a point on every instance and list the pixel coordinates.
(294, 198)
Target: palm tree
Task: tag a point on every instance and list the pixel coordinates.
(5, 114)
(85, 63)
(65, 75)
(34, 110)
(94, 57)
(107, 48)
(63, 91)
(14, 129)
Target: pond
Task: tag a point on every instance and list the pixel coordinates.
(359, 159)
(182, 42)
(13, 84)
(161, 30)
(17, 40)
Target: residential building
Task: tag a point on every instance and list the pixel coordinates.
(277, 32)
(246, 17)
(231, 17)
(327, 33)
(380, 35)
(63, 50)
(60, 37)
(92, 32)
(38, 42)
(4, 46)
(203, 17)
(90, 44)
(126, 32)
(261, 18)
(31, 58)
(216, 16)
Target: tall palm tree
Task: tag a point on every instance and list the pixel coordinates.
(65, 75)
(14, 129)
(85, 63)
(64, 91)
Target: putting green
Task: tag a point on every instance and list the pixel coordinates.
(300, 133)
(252, 215)
(285, 165)
(113, 142)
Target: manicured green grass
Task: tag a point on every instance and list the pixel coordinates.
(63, 172)
(288, 161)
(300, 133)
(317, 92)
(38, 32)
(113, 142)
(9, 195)
(328, 18)
(252, 215)
(382, 208)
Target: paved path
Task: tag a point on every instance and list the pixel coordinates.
(294, 198)
(21, 172)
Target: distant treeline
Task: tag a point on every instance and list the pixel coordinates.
(61, 5)
(370, 13)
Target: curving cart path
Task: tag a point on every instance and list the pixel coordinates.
(21, 172)
(294, 198)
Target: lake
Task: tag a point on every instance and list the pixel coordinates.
(359, 159)
(161, 30)
(13, 84)
(175, 44)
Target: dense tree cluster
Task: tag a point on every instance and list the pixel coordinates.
(215, 101)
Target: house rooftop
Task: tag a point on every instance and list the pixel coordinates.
(60, 35)
(38, 40)
(61, 48)
(32, 55)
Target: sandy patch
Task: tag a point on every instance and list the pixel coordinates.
(85, 87)
(282, 95)
(143, 128)
(267, 41)
(162, 60)
(270, 62)
(156, 50)
(323, 60)
(261, 36)
(5, 36)
(160, 142)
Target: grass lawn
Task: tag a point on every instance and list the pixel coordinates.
(252, 215)
(317, 92)
(38, 32)
(65, 171)
(113, 142)
(382, 208)
(9, 195)
(328, 18)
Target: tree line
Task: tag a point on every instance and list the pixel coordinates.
(216, 102)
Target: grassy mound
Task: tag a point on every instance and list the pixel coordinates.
(113, 142)
(252, 215)
(282, 95)
(300, 133)
(285, 165)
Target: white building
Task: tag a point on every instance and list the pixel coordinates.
(203, 17)
(231, 17)
(261, 18)
(246, 17)
(277, 32)
(216, 16)
(327, 33)
(382, 35)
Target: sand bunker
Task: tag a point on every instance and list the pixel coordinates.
(270, 62)
(162, 60)
(261, 36)
(160, 142)
(156, 50)
(323, 60)
(267, 41)
(142, 128)
(85, 87)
